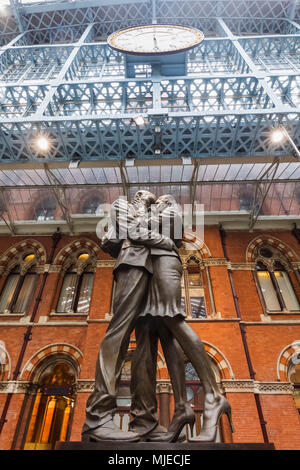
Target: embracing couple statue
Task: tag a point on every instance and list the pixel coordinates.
(147, 298)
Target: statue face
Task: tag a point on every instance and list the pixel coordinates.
(164, 201)
(144, 197)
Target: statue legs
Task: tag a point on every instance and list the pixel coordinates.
(215, 403)
(144, 405)
(131, 285)
(143, 378)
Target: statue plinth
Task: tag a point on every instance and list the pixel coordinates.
(135, 447)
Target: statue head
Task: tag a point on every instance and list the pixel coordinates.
(144, 197)
(166, 200)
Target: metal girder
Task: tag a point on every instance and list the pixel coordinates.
(60, 196)
(119, 13)
(5, 209)
(261, 191)
(225, 105)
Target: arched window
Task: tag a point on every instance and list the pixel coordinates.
(195, 396)
(53, 407)
(76, 289)
(274, 282)
(45, 209)
(19, 287)
(192, 291)
(294, 377)
(92, 206)
(246, 201)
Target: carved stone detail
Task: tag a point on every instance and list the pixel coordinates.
(164, 387)
(106, 263)
(276, 388)
(214, 262)
(85, 386)
(226, 386)
(242, 266)
(12, 386)
(252, 386)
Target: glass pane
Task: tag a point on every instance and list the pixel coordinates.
(268, 290)
(287, 290)
(8, 291)
(190, 373)
(198, 307)
(67, 293)
(25, 294)
(195, 279)
(85, 293)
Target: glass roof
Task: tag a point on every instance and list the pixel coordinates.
(64, 194)
(151, 174)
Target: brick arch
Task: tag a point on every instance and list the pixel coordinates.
(275, 242)
(196, 244)
(284, 360)
(53, 349)
(5, 362)
(73, 247)
(220, 360)
(161, 362)
(217, 357)
(28, 244)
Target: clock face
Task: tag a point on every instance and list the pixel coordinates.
(155, 39)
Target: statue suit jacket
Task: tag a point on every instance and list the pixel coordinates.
(138, 249)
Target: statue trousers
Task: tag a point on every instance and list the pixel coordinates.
(131, 284)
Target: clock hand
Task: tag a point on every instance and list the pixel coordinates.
(155, 43)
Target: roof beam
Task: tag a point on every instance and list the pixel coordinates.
(262, 188)
(60, 195)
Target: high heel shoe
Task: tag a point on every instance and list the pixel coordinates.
(210, 427)
(180, 419)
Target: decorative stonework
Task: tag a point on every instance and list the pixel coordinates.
(5, 362)
(285, 359)
(215, 262)
(242, 266)
(252, 386)
(85, 386)
(275, 388)
(14, 255)
(193, 245)
(237, 386)
(104, 263)
(13, 386)
(274, 242)
(220, 360)
(73, 247)
(51, 350)
(164, 387)
(54, 268)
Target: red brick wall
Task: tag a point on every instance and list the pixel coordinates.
(265, 341)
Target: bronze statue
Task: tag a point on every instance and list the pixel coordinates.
(148, 297)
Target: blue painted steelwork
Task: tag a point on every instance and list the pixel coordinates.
(59, 78)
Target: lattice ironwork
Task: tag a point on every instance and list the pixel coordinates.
(61, 80)
(34, 64)
(215, 57)
(277, 54)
